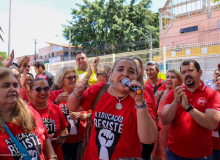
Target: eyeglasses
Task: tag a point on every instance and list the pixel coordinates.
(217, 74)
(39, 89)
(70, 78)
(81, 58)
(100, 74)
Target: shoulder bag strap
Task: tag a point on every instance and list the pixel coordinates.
(20, 147)
(101, 92)
(160, 98)
(155, 89)
(77, 130)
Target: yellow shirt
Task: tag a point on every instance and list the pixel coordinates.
(81, 74)
(162, 75)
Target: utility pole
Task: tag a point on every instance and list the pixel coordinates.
(151, 45)
(9, 29)
(69, 42)
(35, 42)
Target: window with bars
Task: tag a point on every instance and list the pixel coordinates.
(189, 29)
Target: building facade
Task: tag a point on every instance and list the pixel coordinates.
(59, 51)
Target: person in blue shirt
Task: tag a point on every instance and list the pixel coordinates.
(211, 83)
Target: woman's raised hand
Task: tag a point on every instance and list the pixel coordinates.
(89, 72)
(7, 62)
(23, 78)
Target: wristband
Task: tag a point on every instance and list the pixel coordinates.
(54, 102)
(190, 108)
(75, 94)
(144, 105)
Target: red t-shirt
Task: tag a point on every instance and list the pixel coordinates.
(54, 122)
(114, 133)
(186, 137)
(23, 95)
(73, 137)
(31, 141)
(151, 93)
(216, 143)
(162, 87)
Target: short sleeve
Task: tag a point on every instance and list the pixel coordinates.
(213, 102)
(38, 121)
(53, 96)
(151, 108)
(169, 98)
(89, 96)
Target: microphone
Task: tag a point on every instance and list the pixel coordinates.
(126, 82)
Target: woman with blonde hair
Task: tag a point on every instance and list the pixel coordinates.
(65, 81)
(173, 79)
(103, 73)
(122, 119)
(22, 132)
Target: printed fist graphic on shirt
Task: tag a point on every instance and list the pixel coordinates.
(106, 139)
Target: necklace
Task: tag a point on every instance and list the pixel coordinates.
(118, 105)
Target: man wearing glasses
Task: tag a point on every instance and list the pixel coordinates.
(211, 82)
(82, 62)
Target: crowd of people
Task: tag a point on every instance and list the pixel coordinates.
(108, 112)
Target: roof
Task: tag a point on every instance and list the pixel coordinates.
(63, 45)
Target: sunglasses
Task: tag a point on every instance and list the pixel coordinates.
(70, 78)
(39, 89)
(217, 74)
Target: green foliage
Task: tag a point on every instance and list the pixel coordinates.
(4, 55)
(108, 27)
(215, 2)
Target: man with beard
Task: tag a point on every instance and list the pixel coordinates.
(192, 110)
(82, 62)
(152, 71)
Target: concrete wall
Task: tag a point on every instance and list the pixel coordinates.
(207, 30)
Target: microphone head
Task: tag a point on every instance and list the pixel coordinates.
(125, 80)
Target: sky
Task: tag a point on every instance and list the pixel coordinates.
(41, 20)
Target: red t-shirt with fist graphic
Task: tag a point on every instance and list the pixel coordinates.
(33, 142)
(186, 137)
(54, 121)
(114, 133)
(73, 137)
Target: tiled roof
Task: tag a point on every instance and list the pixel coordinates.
(63, 45)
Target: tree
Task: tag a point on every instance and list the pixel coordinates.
(215, 2)
(108, 27)
(4, 55)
